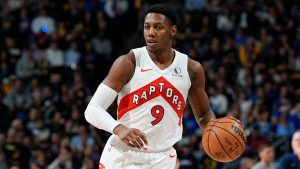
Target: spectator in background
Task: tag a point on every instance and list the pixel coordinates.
(245, 105)
(14, 4)
(89, 62)
(24, 25)
(42, 63)
(246, 163)
(256, 138)
(218, 101)
(116, 7)
(263, 121)
(19, 130)
(284, 127)
(15, 166)
(224, 22)
(38, 158)
(82, 140)
(72, 56)
(191, 5)
(18, 98)
(292, 160)
(215, 53)
(13, 51)
(43, 23)
(55, 55)
(6, 67)
(26, 65)
(34, 115)
(36, 165)
(101, 44)
(64, 159)
(295, 116)
(266, 156)
(186, 157)
(16, 153)
(190, 123)
(55, 140)
(57, 122)
(41, 132)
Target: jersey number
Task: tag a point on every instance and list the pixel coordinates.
(158, 113)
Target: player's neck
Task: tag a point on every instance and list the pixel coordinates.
(162, 56)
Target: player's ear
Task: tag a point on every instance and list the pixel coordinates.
(173, 30)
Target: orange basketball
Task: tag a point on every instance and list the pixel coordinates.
(224, 139)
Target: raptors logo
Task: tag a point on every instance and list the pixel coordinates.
(159, 87)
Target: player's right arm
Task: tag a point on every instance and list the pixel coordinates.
(120, 73)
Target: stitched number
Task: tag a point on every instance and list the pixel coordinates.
(158, 113)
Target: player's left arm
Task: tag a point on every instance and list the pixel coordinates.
(197, 95)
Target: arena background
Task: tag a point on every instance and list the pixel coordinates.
(53, 55)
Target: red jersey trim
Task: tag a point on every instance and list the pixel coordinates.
(159, 87)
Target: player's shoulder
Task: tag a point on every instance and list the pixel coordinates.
(127, 59)
(194, 68)
(121, 71)
(194, 65)
(124, 65)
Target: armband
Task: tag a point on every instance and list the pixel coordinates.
(96, 113)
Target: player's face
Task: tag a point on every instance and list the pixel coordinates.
(158, 31)
(296, 142)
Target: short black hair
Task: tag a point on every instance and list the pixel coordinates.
(164, 9)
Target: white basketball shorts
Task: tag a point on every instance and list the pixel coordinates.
(121, 156)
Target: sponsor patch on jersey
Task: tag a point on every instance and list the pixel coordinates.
(177, 72)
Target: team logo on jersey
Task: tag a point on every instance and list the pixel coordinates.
(177, 72)
(159, 87)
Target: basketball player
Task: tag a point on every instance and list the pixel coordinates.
(152, 84)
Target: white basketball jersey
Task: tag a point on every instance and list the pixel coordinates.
(153, 100)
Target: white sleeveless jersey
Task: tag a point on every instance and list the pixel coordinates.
(153, 100)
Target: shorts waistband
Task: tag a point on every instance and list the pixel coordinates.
(119, 145)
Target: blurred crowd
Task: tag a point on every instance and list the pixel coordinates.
(53, 55)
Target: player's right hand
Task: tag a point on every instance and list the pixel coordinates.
(131, 136)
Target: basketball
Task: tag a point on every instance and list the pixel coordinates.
(224, 139)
